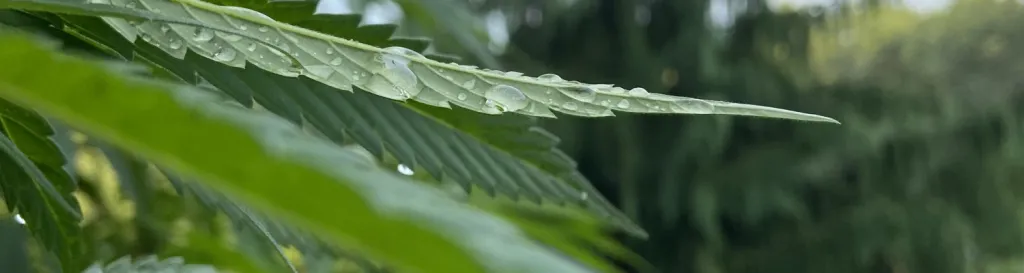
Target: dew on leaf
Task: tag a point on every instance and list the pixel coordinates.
(623, 104)
(469, 84)
(202, 35)
(165, 28)
(335, 61)
(692, 106)
(251, 48)
(248, 11)
(462, 96)
(581, 93)
(397, 50)
(231, 37)
(513, 74)
(320, 71)
(506, 97)
(329, 51)
(570, 105)
(175, 44)
(639, 91)
(550, 78)
(225, 54)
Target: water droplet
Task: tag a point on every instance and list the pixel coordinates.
(402, 169)
(583, 196)
(570, 106)
(147, 38)
(243, 27)
(623, 104)
(462, 96)
(402, 51)
(606, 103)
(231, 37)
(263, 28)
(175, 44)
(549, 78)
(320, 71)
(251, 48)
(581, 93)
(469, 84)
(396, 70)
(329, 51)
(507, 97)
(513, 74)
(202, 35)
(692, 106)
(336, 61)
(225, 54)
(249, 11)
(637, 92)
(165, 28)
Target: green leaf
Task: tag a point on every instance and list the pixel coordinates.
(505, 154)
(272, 165)
(396, 73)
(34, 182)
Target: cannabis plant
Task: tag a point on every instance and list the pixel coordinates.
(285, 127)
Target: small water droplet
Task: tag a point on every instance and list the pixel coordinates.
(507, 98)
(165, 28)
(225, 54)
(623, 104)
(243, 27)
(581, 93)
(402, 169)
(583, 196)
(570, 105)
(462, 96)
(336, 61)
(263, 28)
(606, 103)
(329, 51)
(550, 78)
(469, 84)
(251, 48)
(636, 92)
(147, 38)
(175, 44)
(202, 35)
(249, 11)
(513, 74)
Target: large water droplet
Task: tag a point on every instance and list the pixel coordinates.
(225, 54)
(396, 70)
(397, 50)
(462, 96)
(336, 61)
(507, 98)
(469, 84)
(692, 106)
(251, 48)
(623, 104)
(570, 106)
(320, 71)
(581, 93)
(636, 92)
(550, 78)
(175, 44)
(249, 11)
(202, 35)
(231, 37)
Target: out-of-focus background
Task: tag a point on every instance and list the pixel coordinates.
(921, 177)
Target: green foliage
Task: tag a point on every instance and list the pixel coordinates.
(150, 264)
(34, 182)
